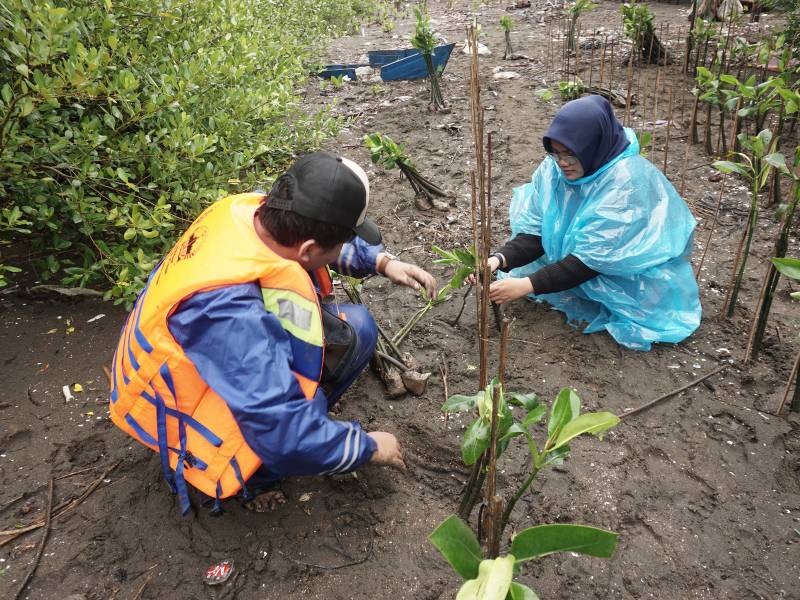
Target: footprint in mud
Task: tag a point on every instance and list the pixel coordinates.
(724, 427)
(788, 472)
(86, 451)
(15, 439)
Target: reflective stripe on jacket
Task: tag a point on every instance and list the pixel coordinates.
(157, 395)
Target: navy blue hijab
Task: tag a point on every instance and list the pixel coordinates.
(588, 128)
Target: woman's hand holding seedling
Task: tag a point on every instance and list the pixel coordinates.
(493, 263)
(388, 451)
(404, 273)
(506, 290)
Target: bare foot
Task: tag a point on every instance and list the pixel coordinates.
(266, 502)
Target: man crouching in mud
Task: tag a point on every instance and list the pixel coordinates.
(228, 364)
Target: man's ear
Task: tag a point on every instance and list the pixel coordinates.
(305, 251)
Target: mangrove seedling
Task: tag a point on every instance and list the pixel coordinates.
(640, 29)
(565, 423)
(790, 267)
(571, 90)
(755, 167)
(386, 152)
(507, 25)
(492, 578)
(574, 11)
(424, 40)
(772, 276)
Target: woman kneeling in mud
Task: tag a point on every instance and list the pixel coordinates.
(600, 234)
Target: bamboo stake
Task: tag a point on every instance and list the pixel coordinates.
(683, 169)
(794, 376)
(713, 225)
(591, 63)
(669, 130)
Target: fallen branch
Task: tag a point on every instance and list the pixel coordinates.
(675, 392)
(45, 533)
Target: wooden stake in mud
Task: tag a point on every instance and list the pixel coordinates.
(611, 66)
(628, 95)
(713, 225)
(603, 60)
(493, 502)
(669, 133)
(683, 169)
(591, 62)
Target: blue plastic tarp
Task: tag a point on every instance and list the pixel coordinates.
(627, 222)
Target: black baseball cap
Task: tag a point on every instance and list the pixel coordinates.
(331, 189)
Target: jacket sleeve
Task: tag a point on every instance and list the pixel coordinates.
(242, 352)
(357, 258)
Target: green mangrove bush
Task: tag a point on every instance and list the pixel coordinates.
(121, 120)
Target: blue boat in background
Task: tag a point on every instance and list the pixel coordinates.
(394, 65)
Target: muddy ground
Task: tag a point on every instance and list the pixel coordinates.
(703, 489)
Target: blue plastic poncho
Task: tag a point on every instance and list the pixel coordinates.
(627, 222)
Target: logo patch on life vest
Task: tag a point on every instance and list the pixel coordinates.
(192, 244)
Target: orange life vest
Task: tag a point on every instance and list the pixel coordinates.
(157, 395)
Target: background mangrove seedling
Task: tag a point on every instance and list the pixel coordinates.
(571, 90)
(507, 25)
(781, 246)
(790, 267)
(425, 41)
(574, 11)
(640, 29)
(492, 579)
(384, 151)
(754, 166)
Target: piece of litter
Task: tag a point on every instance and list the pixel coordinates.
(506, 75)
(77, 388)
(304, 498)
(52, 331)
(67, 394)
(219, 573)
(96, 318)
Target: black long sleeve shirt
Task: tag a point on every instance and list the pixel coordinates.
(564, 274)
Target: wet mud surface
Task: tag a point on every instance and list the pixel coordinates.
(704, 489)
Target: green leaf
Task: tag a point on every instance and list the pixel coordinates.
(6, 93)
(522, 592)
(544, 94)
(557, 456)
(777, 160)
(795, 295)
(790, 267)
(566, 407)
(535, 415)
(542, 540)
(465, 257)
(460, 275)
(26, 107)
(456, 542)
(528, 401)
(726, 166)
(493, 582)
(458, 402)
(593, 423)
(729, 79)
(476, 440)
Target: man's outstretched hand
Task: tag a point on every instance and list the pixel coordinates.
(388, 451)
(405, 273)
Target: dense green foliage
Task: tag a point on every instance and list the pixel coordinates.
(120, 120)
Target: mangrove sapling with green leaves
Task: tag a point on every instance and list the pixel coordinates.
(424, 40)
(645, 138)
(708, 87)
(790, 267)
(386, 152)
(755, 167)
(574, 11)
(493, 578)
(507, 24)
(565, 423)
(640, 29)
(772, 276)
(571, 90)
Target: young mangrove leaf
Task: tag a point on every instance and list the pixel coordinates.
(726, 166)
(534, 416)
(527, 401)
(458, 544)
(448, 257)
(790, 267)
(476, 441)
(459, 403)
(522, 592)
(466, 257)
(557, 456)
(593, 423)
(493, 582)
(542, 540)
(777, 160)
(460, 275)
(566, 407)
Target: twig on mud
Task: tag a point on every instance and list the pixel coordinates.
(443, 371)
(11, 502)
(78, 472)
(60, 510)
(675, 392)
(47, 521)
(138, 594)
